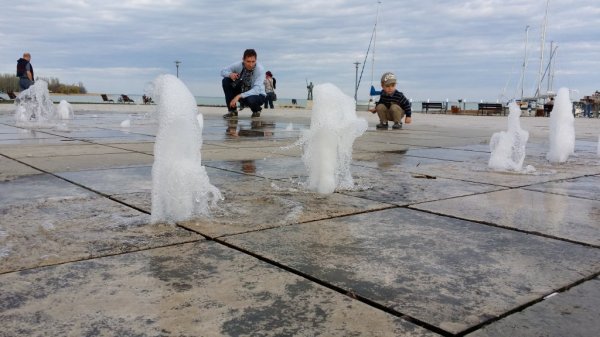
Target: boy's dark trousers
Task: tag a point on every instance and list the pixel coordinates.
(232, 88)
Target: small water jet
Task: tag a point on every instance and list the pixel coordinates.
(328, 143)
(508, 147)
(181, 189)
(64, 110)
(562, 128)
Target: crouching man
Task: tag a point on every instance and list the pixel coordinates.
(243, 83)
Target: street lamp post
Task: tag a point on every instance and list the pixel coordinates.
(177, 63)
(356, 82)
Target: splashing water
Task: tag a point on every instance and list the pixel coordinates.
(508, 147)
(328, 143)
(181, 189)
(562, 128)
(34, 107)
(65, 110)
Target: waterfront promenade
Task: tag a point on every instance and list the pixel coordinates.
(430, 243)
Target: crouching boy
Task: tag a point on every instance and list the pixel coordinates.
(392, 105)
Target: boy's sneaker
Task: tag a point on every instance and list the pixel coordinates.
(231, 114)
(381, 126)
(256, 114)
(397, 126)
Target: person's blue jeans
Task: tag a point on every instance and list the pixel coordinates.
(587, 110)
(232, 89)
(24, 83)
(269, 101)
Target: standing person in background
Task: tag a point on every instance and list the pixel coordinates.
(270, 86)
(243, 82)
(25, 71)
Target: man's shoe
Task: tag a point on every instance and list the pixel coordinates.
(256, 114)
(382, 126)
(397, 126)
(231, 114)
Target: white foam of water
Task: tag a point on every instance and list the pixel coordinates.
(5, 251)
(126, 123)
(562, 128)
(328, 143)
(34, 108)
(200, 119)
(48, 226)
(508, 147)
(65, 110)
(289, 127)
(62, 127)
(181, 189)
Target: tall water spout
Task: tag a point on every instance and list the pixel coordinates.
(181, 189)
(562, 128)
(508, 147)
(328, 143)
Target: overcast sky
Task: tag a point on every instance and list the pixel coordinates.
(438, 49)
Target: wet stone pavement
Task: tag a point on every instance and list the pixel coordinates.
(430, 242)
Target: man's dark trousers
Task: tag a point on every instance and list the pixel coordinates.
(254, 102)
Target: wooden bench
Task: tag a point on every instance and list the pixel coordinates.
(441, 107)
(490, 107)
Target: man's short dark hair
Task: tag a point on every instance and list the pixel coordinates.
(249, 53)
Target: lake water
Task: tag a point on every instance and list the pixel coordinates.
(200, 100)
(220, 101)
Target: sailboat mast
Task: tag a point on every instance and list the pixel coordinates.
(551, 63)
(524, 62)
(374, 42)
(543, 42)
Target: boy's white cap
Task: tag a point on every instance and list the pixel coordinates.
(388, 78)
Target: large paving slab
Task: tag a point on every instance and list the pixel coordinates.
(584, 187)
(25, 134)
(113, 181)
(47, 231)
(554, 215)
(390, 160)
(479, 171)
(89, 161)
(449, 154)
(396, 186)
(572, 313)
(39, 186)
(199, 289)
(278, 167)
(250, 203)
(449, 273)
(58, 150)
(11, 169)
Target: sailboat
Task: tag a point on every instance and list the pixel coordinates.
(539, 98)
